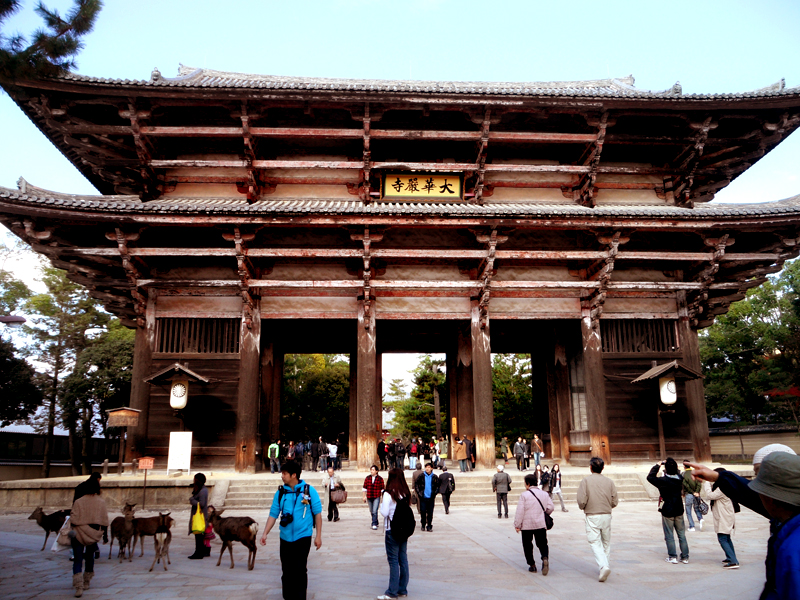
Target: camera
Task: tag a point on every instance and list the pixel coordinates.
(286, 519)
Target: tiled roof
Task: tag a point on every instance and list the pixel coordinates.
(614, 87)
(124, 205)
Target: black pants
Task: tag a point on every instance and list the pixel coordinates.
(520, 462)
(426, 511)
(541, 542)
(333, 508)
(446, 501)
(383, 461)
(502, 498)
(294, 561)
(314, 463)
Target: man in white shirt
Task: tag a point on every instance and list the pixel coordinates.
(333, 449)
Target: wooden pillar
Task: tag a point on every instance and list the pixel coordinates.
(247, 408)
(267, 392)
(277, 392)
(353, 430)
(464, 385)
(695, 395)
(366, 385)
(144, 344)
(482, 385)
(595, 389)
(452, 397)
(560, 375)
(543, 354)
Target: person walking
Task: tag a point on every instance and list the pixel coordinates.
(333, 455)
(80, 491)
(274, 453)
(199, 502)
(527, 445)
(314, 450)
(427, 486)
(519, 454)
(382, 454)
(88, 518)
(461, 454)
(473, 452)
(536, 448)
(434, 451)
(332, 481)
(396, 548)
(691, 495)
(391, 455)
(504, 450)
(291, 451)
(413, 454)
(447, 485)
(501, 485)
(324, 453)
(372, 492)
(530, 522)
(597, 496)
(298, 507)
(539, 474)
(414, 476)
(444, 447)
(670, 487)
(400, 454)
(555, 486)
(724, 512)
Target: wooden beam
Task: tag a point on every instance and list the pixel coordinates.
(248, 397)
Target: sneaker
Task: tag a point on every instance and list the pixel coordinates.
(532, 569)
(506, 516)
(336, 519)
(386, 597)
(604, 573)
(701, 524)
(727, 560)
(685, 561)
(671, 559)
(374, 527)
(730, 565)
(499, 516)
(691, 528)
(429, 528)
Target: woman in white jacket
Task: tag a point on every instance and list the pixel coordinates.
(724, 522)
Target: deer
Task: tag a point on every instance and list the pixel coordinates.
(122, 529)
(162, 537)
(148, 526)
(51, 523)
(234, 529)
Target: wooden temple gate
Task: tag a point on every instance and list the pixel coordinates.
(246, 217)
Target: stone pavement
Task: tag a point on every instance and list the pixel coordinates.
(469, 554)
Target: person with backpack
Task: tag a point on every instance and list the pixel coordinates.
(274, 453)
(413, 454)
(324, 453)
(501, 485)
(400, 454)
(296, 505)
(447, 485)
(531, 521)
(399, 525)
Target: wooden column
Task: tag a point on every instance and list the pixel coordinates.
(353, 431)
(277, 392)
(464, 385)
(366, 385)
(142, 368)
(267, 392)
(695, 395)
(595, 389)
(560, 374)
(249, 393)
(452, 397)
(543, 353)
(482, 385)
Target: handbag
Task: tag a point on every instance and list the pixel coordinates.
(548, 520)
(701, 505)
(338, 496)
(198, 522)
(62, 541)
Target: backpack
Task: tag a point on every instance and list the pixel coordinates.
(413, 448)
(282, 492)
(403, 522)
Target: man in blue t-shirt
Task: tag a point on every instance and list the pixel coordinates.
(427, 486)
(298, 506)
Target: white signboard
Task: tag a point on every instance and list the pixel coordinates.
(180, 451)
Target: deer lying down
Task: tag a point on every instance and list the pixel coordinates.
(234, 529)
(147, 526)
(122, 529)
(50, 523)
(162, 537)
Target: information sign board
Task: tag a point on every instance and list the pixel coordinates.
(180, 451)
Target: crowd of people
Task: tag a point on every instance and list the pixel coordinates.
(298, 508)
(315, 455)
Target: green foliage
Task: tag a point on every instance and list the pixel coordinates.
(751, 354)
(513, 399)
(52, 50)
(19, 395)
(316, 397)
(415, 415)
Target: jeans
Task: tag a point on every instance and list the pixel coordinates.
(690, 503)
(528, 536)
(536, 457)
(274, 465)
(676, 524)
(323, 463)
(80, 551)
(398, 566)
(412, 462)
(426, 512)
(463, 465)
(502, 498)
(598, 532)
(294, 561)
(374, 505)
(401, 460)
(725, 541)
(561, 498)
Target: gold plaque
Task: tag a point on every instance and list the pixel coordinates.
(123, 417)
(423, 187)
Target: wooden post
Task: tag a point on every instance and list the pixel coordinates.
(451, 359)
(366, 385)
(249, 392)
(142, 368)
(543, 355)
(662, 442)
(437, 411)
(595, 389)
(277, 392)
(267, 390)
(562, 391)
(482, 385)
(464, 381)
(353, 432)
(695, 395)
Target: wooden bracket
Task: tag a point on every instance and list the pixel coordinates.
(253, 183)
(483, 145)
(584, 191)
(245, 271)
(486, 271)
(151, 188)
(131, 272)
(365, 188)
(687, 162)
(367, 240)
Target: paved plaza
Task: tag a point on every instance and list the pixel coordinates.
(469, 554)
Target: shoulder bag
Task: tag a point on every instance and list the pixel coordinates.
(548, 520)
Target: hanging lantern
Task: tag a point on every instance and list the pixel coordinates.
(669, 393)
(179, 393)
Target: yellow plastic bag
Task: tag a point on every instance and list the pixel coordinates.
(198, 522)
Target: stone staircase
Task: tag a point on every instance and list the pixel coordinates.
(473, 489)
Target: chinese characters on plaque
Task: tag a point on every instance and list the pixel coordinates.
(423, 187)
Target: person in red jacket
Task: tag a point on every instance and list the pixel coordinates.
(372, 492)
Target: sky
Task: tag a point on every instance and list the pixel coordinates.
(709, 46)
